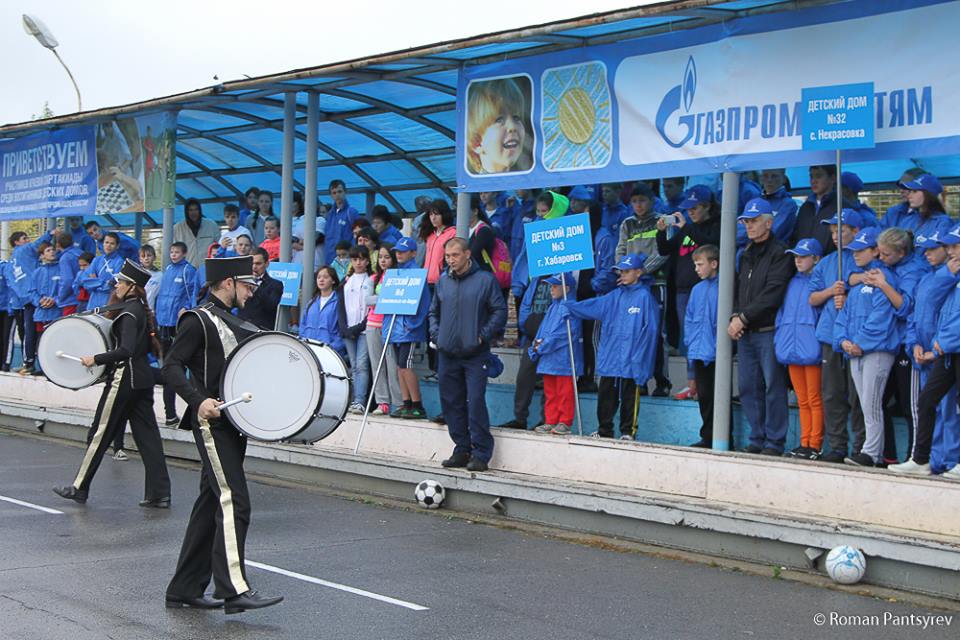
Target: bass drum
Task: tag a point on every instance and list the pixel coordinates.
(301, 389)
(75, 335)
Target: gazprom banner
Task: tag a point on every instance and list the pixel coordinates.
(117, 166)
(723, 97)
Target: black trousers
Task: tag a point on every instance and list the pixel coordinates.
(840, 402)
(899, 387)
(169, 395)
(526, 386)
(611, 394)
(943, 377)
(660, 369)
(213, 545)
(704, 374)
(118, 404)
(589, 352)
(6, 340)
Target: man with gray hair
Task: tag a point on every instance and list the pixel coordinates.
(765, 270)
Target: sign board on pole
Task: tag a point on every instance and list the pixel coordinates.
(289, 274)
(401, 291)
(560, 244)
(838, 117)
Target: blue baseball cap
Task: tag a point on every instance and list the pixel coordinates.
(697, 194)
(928, 242)
(580, 192)
(926, 182)
(865, 239)
(568, 279)
(952, 236)
(755, 208)
(405, 244)
(851, 218)
(851, 181)
(631, 261)
(807, 247)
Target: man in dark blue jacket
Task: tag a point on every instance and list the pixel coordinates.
(466, 313)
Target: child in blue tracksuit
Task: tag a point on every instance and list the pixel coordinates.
(6, 317)
(700, 335)
(795, 343)
(319, 320)
(630, 325)
(408, 331)
(101, 276)
(942, 358)
(827, 292)
(551, 353)
(866, 330)
(929, 297)
(44, 289)
(179, 285)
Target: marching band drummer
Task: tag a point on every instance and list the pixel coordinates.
(213, 544)
(128, 393)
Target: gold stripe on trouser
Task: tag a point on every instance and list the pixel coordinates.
(226, 506)
(101, 427)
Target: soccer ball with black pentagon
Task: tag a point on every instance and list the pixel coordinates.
(429, 494)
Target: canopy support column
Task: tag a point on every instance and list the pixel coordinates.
(371, 202)
(463, 215)
(4, 238)
(138, 228)
(286, 192)
(167, 236)
(722, 439)
(308, 282)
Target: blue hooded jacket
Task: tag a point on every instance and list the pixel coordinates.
(867, 318)
(178, 290)
(524, 211)
(629, 322)
(391, 234)
(128, 247)
(4, 288)
(909, 272)
(45, 283)
(501, 221)
(553, 353)
(98, 279)
(410, 328)
(83, 241)
(23, 263)
(527, 308)
(823, 276)
(69, 267)
(784, 217)
(948, 326)
(929, 299)
(612, 217)
(795, 338)
(339, 227)
(604, 249)
(322, 324)
(700, 321)
(896, 216)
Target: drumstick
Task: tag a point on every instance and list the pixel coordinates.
(61, 354)
(244, 397)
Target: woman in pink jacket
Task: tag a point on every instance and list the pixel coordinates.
(435, 230)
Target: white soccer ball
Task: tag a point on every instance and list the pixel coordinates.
(429, 494)
(845, 564)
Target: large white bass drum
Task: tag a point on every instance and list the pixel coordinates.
(65, 340)
(301, 389)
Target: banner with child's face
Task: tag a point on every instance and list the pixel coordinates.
(717, 98)
(125, 165)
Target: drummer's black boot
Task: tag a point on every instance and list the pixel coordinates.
(156, 503)
(249, 600)
(71, 493)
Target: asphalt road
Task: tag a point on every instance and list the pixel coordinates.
(99, 571)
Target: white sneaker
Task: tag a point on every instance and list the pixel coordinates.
(953, 474)
(910, 468)
(356, 408)
(121, 456)
(626, 438)
(381, 410)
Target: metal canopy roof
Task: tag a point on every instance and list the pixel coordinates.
(387, 122)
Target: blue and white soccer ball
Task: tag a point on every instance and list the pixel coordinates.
(845, 564)
(429, 494)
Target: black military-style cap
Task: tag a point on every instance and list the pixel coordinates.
(239, 267)
(133, 272)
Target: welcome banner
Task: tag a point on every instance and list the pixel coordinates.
(119, 166)
(718, 98)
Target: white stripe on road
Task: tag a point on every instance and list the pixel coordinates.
(334, 585)
(30, 505)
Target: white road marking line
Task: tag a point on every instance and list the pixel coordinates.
(30, 505)
(334, 585)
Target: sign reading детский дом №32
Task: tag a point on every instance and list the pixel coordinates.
(838, 117)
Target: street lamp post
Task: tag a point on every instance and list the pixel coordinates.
(35, 27)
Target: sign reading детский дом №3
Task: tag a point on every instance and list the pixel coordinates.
(838, 117)
(560, 244)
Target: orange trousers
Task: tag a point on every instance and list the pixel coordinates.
(806, 382)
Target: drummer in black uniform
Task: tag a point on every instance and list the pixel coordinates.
(214, 542)
(128, 393)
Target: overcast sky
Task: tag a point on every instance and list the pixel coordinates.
(127, 51)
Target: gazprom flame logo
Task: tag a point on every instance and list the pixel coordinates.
(683, 94)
